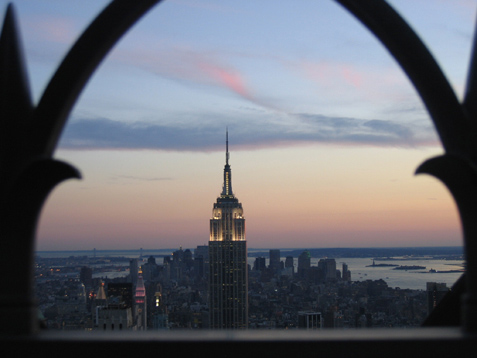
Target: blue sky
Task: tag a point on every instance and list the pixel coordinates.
(323, 125)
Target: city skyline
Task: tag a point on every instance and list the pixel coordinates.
(326, 130)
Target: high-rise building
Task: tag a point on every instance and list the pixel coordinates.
(290, 264)
(133, 270)
(259, 264)
(140, 307)
(86, 276)
(435, 293)
(346, 276)
(202, 251)
(228, 270)
(328, 269)
(275, 263)
(111, 312)
(304, 263)
(201, 261)
(159, 310)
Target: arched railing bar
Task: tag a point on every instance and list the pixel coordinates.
(419, 65)
(455, 123)
(28, 172)
(78, 66)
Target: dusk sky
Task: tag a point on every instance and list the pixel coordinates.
(325, 130)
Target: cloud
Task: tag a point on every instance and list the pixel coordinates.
(192, 66)
(343, 79)
(329, 73)
(102, 133)
(187, 64)
(358, 131)
(227, 78)
(398, 131)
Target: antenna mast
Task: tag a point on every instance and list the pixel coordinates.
(227, 146)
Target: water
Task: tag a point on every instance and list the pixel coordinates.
(411, 279)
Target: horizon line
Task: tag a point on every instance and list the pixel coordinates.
(265, 248)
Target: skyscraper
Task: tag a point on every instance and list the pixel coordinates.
(228, 273)
(346, 273)
(304, 263)
(435, 293)
(140, 307)
(328, 269)
(289, 263)
(275, 263)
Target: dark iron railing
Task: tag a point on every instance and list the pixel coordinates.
(456, 124)
(29, 136)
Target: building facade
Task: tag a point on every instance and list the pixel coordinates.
(310, 320)
(304, 263)
(435, 293)
(140, 306)
(275, 263)
(328, 269)
(228, 270)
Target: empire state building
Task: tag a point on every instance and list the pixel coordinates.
(228, 271)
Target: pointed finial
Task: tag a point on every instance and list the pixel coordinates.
(227, 146)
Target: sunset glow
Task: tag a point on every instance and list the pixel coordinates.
(325, 131)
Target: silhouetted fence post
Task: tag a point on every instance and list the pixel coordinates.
(29, 136)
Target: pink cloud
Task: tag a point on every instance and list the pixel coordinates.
(185, 64)
(369, 83)
(351, 76)
(327, 73)
(226, 77)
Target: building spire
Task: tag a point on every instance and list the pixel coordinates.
(227, 189)
(226, 146)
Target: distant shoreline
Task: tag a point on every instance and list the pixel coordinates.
(380, 254)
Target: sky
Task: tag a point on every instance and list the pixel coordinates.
(325, 130)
